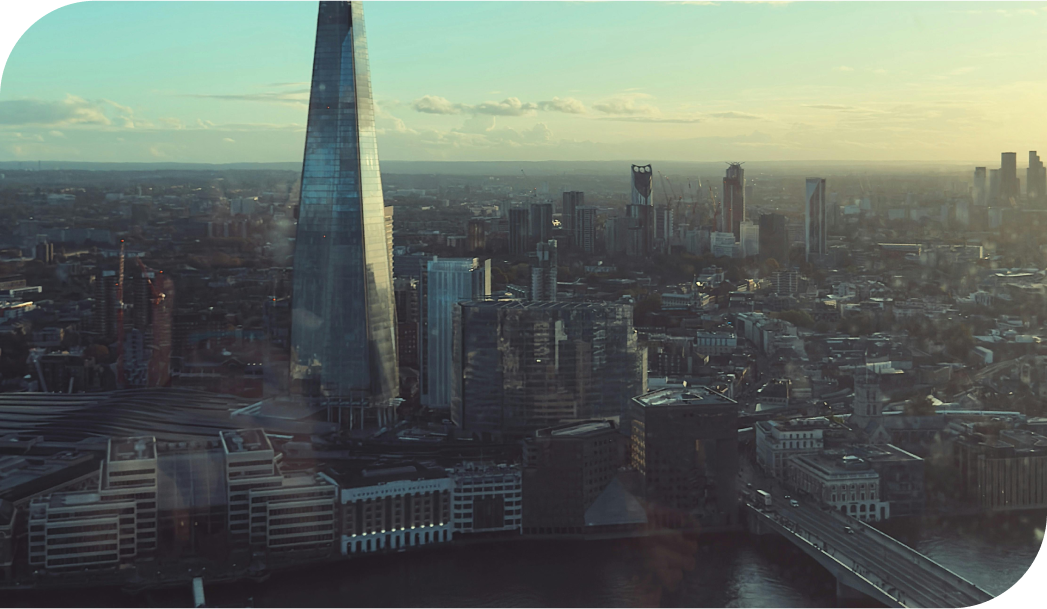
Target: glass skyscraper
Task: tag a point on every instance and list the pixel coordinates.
(343, 335)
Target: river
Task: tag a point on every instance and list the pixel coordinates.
(712, 571)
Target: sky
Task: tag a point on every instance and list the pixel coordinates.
(223, 82)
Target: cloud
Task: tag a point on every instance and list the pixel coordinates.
(737, 115)
(56, 134)
(567, 104)
(832, 107)
(843, 69)
(653, 119)
(879, 71)
(626, 104)
(298, 97)
(228, 139)
(70, 111)
(477, 124)
(171, 123)
(961, 71)
(434, 104)
(510, 106)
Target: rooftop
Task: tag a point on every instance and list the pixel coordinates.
(384, 473)
(245, 440)
(132, 449)
(583, 428)
(696, 395)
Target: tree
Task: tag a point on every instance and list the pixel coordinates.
(798, 318)
(919, 407)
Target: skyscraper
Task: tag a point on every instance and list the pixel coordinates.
(147, 359)
(981, 188)
(1036, 180)
(541, 223)
(774, 238)
(572, 200)
(732, 210)
(663, 228)
(1009, 186)
(543, 272)
(643, 185)
(450, 280)
(994, 187)
(519, 230)
(343, 337)
(815, 227)
(584, 228)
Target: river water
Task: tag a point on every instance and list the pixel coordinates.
(712, 571)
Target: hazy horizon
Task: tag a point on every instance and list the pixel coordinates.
(806, 82)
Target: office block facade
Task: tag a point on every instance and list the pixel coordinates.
(450, 280)
(815, 228)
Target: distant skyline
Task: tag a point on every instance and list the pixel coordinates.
(226, 82)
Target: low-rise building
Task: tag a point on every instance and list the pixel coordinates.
(902, 480)
(841, 479)
(486, 498)
(1006, 471)
(778, 441)
(715, 343)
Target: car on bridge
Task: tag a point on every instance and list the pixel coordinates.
(794, 503)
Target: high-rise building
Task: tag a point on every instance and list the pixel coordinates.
(685, 445)
(584, 228)
(981, 188)
(750, 239)
(614, 234)
(343, 336)
(147, 347)
(994, 187)
(105, 308)
(774, 238)
(721, 244)
(408, 320)
(520, 366)
(572, 200)
(643, 185)
(663, 228)
(476, 232)
(814, 218)
(519, 231)
(1009, 185)
(450, 281)
(639, 233)
(543, 271)
(732, 209)
(1036, 180)
(541, 224)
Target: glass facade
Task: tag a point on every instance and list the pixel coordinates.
(520, 366)
(343, 326)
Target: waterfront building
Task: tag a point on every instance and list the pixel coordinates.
(841, 479)
(1003, 471)
(685, 446)
(449, 281)
(520, 365)
(343, 335)
(732, 208)
(250, 463)
(298, 516)
(902, 477)
(393, 506)
(80, 531)
(567, 471)
(584, 229)
(24, 477)
(815, 221)
(486, 498)
(778, 441)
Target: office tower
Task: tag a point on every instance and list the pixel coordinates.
(639, 229)
(584, 231)
(45, 252)
(343, 335)
(732, 208)
(643, 185)
(663, 228)
(476, 231)
(614, 234)
(519, 231)
(408, 320)
(685, 446)
(1036, 181)
(814, 218)
(105, 308)
(774, 238)
(416, 266)
(721, 244)
(541, 223)
(147, 347)
(572, 200)
(981, 189)
(750, 239)
(520, 366)
(450, 280)
(543, 272)
(1009, 186)
(994, 187)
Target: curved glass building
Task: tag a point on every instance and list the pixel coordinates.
(343, 332)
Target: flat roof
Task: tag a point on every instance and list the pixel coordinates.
(695, 395)
(383, 473)
(583, 428)
(132, 449)
(245, 441)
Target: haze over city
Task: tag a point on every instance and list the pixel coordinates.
(682, 81)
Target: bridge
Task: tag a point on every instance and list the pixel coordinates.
(866, 562)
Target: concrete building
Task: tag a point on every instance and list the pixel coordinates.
(732, 207)
(1005, 471)
(685, 446)
(902, 477)
(1010, 188)
(249, 464)
(393, 506)
(1036, 181)
(715, 343)
(486, 498)
(841, 479)
(642, 186)
(750, 239)
(566, 469)
(449, 281)
(541, 222)
(721, 244)
(778, 441)
(584, 229)
(815, 220)
(519, 231)
(981, 187)
(572, 200)
(774, 238)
